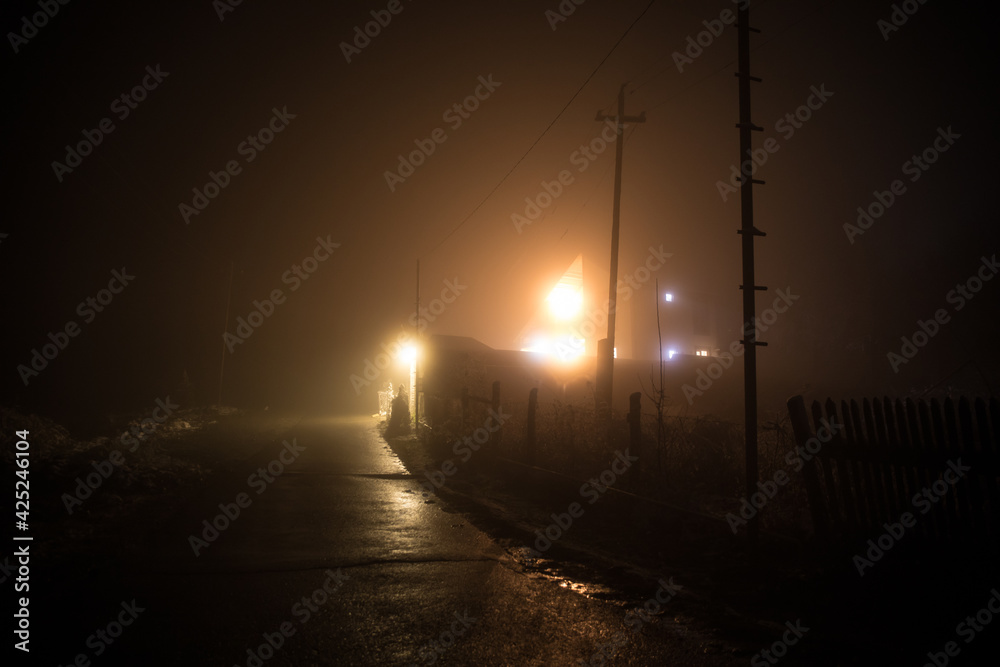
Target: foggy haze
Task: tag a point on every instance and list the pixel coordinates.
(348, 116)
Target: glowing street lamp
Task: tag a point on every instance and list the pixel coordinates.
(565, 302)
(408, 354)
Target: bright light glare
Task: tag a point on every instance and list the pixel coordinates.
(408, 353)
(539, 345)
(562, 348)
(671, 353)
(668, 297)
(565, 302)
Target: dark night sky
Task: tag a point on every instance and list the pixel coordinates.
(324, 175)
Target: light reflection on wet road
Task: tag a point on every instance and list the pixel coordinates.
(418, 577)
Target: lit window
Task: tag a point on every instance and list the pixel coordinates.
(668, 297)
(702, 353)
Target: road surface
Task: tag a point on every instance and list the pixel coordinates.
(336, 558)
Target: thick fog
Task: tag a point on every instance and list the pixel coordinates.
(185, 166)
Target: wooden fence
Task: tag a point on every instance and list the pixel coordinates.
(871, 462)
(470, 404)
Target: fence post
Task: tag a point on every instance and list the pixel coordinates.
(529, 439)
(803, 431)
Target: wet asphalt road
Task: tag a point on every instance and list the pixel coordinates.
(336, 558)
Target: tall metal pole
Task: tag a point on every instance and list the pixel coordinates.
(621, 119)
(749, 286)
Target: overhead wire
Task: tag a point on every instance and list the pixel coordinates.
(639, 86)
(548, 127)
(729, 64)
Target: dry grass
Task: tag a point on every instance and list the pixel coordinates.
(58, 461)
(698, 463)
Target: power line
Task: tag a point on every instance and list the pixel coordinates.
(648, 80)
(576, 216)
(643, 82)
(547, 128)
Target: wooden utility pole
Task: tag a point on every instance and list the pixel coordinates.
(605, 361)
(749, 286)
(416, 360)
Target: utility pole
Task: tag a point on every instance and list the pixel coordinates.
(749, 286)
(606, 357)
(416, 359)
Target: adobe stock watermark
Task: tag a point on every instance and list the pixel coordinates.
(88, 310)
(786, 127)
(634, 619)
(430, 652)
(30, 25)
(900, 14)
(223, 7)
(121, 106)
(102, 638)
(706, 377)
(581, 158)
(302, 611)
(767, 490)
(968, 628)
(924, 500)
(294, 277)
(22, 622)
(7, 569)
(915, 167)
(249, 149)
(427, 314)
(420, 320)
(373, 369)
(958, 298)
(464, 449)
(697, 44)
(259, 481)
(86, 486)
(455, 116)
(363, 36)
(626, 287)
(779, 649)
(593, 489)
(563, 11)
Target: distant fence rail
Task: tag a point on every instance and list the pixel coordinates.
(873, 461)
